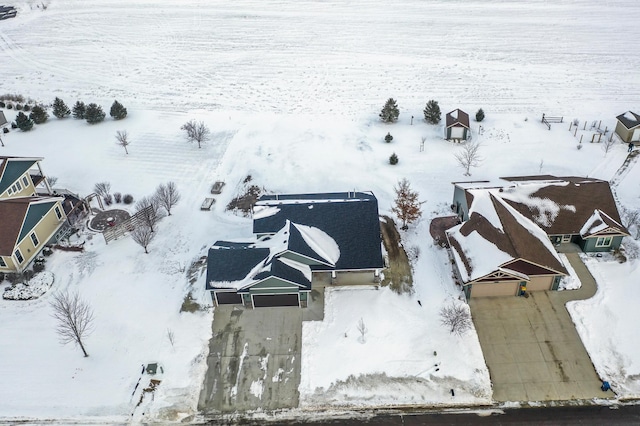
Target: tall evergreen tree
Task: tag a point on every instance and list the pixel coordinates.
(118, 112)
(23, 122)
(480, 115)
(38, 114)
(407, 206)
(60, 109)
(94, 113)
(432, 112)
(79, 109)
(390, 112)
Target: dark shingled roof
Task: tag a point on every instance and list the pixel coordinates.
(629, 124)
(11, 169)
(351, 219)
(233, 263)
(285, 272)
(462, 118)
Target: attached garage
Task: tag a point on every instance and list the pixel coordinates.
(227, 298)
(539, 283)
(501, 288)
(270, 300)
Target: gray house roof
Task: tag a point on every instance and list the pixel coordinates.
(349, 218)
(629, 119)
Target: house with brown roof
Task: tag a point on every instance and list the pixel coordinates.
(628, 127)
(500, 252)
(457, 125)
(29, 220)
(570, 210)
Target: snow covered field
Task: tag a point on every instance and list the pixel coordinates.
(291, 92)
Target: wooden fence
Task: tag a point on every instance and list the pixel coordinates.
(117, 231)
(548, 120)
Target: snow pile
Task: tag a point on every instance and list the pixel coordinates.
(571, 281)
(36, 287)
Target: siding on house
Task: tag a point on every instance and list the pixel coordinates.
(589, 244)
(460, 203)
(45, 229)
(624, 133)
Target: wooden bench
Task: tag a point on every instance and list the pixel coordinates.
(217, 187)
(207, 203)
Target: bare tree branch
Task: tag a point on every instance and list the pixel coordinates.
(149, 209)
(196, 132)
(457, 317)
(168, 196)
(362, 328)
(103, 189)
(122, 138)
(143, 235)
(74, 317)
(469, 157)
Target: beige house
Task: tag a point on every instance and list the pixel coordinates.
(628, 127)
(500, 252)
(28, 221)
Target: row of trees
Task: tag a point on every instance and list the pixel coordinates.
(150, 212)
(432, 113)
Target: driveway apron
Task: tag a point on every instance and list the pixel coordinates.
(254, 360)
(532, 348)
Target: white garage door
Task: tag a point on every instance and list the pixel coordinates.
(457, 132)
(503, 288)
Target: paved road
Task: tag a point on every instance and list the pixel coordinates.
(532, 348)
(254, 360)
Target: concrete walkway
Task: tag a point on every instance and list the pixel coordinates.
(532, 348)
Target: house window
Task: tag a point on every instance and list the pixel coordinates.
(603, 241)
(25, 181)
(3, 264)
(566, 238)
(10, 191)
(14, 188)
(19, 186)
(34, 239)
(18, 256)
(58, 213)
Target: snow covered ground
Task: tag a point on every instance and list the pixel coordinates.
(291, 93)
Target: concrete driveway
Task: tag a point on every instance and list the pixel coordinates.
(254, 360)
(532, 348)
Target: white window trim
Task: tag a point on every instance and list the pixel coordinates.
(58, 212)
(16, 253)
(25, 181)
(34, 236)
(19, 185)
(600, 241)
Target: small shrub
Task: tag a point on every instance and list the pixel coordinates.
(108, 199)
(14, 125)
(38, 267)
(480, 115)
(28, 274)
(79, 110)
(189, 305)
(47, 251)
(94, 114)
(27, 108)
(127, 199)
(2, 104)
(1, 276)
(117, 111)
(393, 160)
(579, 146)
(13, 278)
(13, 97)
(24, 122)
(39, 115)
(117, 197)
(19, 107)
(9, 105)
(388, 138)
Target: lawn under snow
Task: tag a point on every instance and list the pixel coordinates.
(291, 94)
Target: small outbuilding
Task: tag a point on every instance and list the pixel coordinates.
(628, 127)
(457, 125)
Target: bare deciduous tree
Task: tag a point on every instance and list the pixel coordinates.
(196, 132)
(143, 235)
(149, 209)
(74, 317)
(407, 205)
(168, 196)
(607, 144)
(456, 317)
(632, 219)
(52, 180)
(468, 156)
(362, 329)
(171, 337)
(103, 189)
(122, 138)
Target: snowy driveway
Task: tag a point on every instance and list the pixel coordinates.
(254, 360)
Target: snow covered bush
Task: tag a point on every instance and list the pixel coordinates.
(94, 113)
(39, 115)
(36, 287)
(118, 112)
(127, 199)
(60, 109)
(79, 110)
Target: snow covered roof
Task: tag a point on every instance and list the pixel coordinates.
(457, 117)
(559, 205)
(599, 222)
(495, 236)
(629, 119)
(239, 265)
(349, 218)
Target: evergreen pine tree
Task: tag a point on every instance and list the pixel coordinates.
(38, 114)
(480, 115)
(393, 160)
(94, 113)
(407, 205)
(388, 138)
(432, 112)
(118, 112)
(389, 113)
(60, 109)
(79, 109)
(23, 122)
